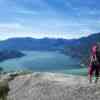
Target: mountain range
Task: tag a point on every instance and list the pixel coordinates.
(74, 47)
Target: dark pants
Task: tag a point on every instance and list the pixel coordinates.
(94, 68)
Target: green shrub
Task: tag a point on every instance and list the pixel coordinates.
(4, 88)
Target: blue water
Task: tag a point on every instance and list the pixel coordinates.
(42, 61)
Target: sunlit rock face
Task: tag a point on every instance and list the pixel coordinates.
(51, 86)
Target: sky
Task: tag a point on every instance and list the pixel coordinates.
(49, 18)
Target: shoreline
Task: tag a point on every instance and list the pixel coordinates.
(9, 76)
(73, 72)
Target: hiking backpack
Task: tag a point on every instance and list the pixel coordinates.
(98, 52)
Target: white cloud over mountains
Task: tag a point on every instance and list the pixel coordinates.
(49, 18)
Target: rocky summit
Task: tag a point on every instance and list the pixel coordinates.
(52, 86)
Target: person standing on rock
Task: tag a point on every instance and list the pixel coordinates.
(94, 65)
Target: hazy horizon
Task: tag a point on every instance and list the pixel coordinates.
(45, 37)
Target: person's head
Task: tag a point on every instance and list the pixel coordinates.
(94, 48)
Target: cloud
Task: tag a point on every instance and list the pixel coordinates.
(28, 12)
(10, 25)
(14, 28)
(58, 18)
